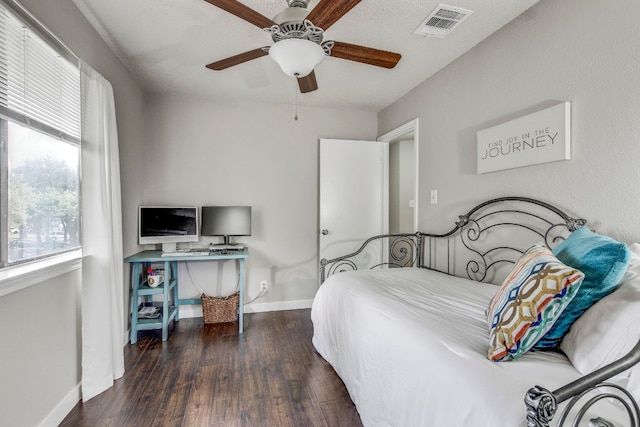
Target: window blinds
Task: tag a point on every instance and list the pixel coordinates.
(39, 86)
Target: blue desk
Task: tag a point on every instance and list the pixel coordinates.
(169, 288)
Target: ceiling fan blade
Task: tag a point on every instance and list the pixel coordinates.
(238, 9)
(308, 83)
(366, 55)
(237, 59)
(327, 12)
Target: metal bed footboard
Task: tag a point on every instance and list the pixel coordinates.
(476, 248)
(582, 395)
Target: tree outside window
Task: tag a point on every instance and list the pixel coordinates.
(43, 189)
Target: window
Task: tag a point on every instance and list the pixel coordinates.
(39, 141)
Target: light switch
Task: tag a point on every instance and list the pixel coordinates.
(434, 197)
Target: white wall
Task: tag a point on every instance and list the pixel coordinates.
(206, 153)
(584, 52)
(40, 334)
(40, 353)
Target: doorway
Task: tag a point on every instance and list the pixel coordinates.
(403, 177)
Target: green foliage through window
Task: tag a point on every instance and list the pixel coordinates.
(43, 189)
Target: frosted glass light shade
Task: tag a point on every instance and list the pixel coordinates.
(296, 57)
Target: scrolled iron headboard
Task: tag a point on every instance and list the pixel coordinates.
(493, 235)
(468, 246)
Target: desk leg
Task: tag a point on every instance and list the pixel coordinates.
(174, 272)
(241, 297)
(165, 304)
(135, 277)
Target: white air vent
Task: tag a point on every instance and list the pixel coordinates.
(442, 21)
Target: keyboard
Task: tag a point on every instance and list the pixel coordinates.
(192, 252)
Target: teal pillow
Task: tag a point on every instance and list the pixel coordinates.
(603, 262)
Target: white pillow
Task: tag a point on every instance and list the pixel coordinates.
(609, 329)
(633, 272)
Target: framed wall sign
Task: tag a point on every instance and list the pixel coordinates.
(540, 137)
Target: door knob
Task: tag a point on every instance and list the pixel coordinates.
(325, 232)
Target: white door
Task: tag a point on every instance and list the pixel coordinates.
(353, 195)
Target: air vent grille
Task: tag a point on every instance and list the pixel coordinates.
(442, 21)
(445, 24)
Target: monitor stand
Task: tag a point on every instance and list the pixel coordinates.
(227, 241)
(169, 247)
(228, 244)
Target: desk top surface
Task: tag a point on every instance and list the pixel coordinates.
(156, 256)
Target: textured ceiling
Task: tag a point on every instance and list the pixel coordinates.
(165, 44)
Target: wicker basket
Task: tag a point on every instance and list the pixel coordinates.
(220, 309)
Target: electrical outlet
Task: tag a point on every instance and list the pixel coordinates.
(263, 286)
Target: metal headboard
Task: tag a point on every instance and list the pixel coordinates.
(489, 236)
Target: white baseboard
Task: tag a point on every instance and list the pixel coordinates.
(189, 311)
(63, 408)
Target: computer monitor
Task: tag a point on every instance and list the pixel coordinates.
(226, 221)
(167, 225)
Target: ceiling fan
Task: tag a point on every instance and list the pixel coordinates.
(298, 39)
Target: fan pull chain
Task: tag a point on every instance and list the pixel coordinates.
(295, 100)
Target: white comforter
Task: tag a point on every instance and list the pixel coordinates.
(411, 344)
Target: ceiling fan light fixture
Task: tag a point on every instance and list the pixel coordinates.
(297, 57)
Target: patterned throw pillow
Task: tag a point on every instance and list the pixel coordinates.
(529, 301)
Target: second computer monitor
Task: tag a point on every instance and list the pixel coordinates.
(226, 221)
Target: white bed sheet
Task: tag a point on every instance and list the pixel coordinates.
(411, 344)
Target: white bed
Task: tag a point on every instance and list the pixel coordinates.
(370, 326)
(410, 345)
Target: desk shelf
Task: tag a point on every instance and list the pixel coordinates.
(148, 290)
(141, 291)
(148, 324)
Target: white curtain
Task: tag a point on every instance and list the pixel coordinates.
(102, 265)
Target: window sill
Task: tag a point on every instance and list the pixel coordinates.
(15, 278)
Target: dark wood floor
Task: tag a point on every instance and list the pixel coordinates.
(207, 375)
